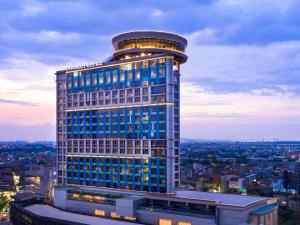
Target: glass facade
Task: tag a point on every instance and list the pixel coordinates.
(141, 174)
(150, 43)
(118, 125)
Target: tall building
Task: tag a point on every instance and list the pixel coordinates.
(118, 146)
(118, 122)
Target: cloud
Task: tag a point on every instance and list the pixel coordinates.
(8, 101)
(157, 13)
(33, 9)
(261, 21)
(205, 115)
(54, 47)
(53, 28)
(241, 116)
(243, 67)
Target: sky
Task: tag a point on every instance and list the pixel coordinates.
(241, 80)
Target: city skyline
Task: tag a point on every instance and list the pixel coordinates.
(240, 82)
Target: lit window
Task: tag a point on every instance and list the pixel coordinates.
(129, 76)
(137, 74)
(161, 60)
(153, 74)
(129, 218)
(145, 83)
(122, 77)
(175, 65)
(165, 222)
(99, 212)
(88, 81)
(127, 66)
(114, 215)
(108, 78)
(115, 78)
(100, 80)
(183, 223)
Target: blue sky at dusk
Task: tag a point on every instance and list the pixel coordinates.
(241, 81)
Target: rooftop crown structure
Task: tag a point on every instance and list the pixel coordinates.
(141, 43)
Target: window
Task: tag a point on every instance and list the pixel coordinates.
(114, 215)
(137, 74)
(183, 223)
(94, 79)
(176, 67)
(88, 80)
(122, 77)
(107, 78)
(129, 218)
(115, 78)
(101, 80)
(165, 222)
(99, 212)
(129, 76)
(145, 151)
(127, 66)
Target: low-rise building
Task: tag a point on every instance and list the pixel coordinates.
(41, 180)
(182, 207)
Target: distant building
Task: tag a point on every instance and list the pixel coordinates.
(291, 188)
(41, 181)
(288, 147)
(7, 179)
(291, 180)
(236, 183)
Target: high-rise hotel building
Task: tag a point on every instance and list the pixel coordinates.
(118, 122)
(118, 146)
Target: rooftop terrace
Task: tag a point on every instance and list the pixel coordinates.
(221, 199)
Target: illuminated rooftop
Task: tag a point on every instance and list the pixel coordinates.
(141, 43)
